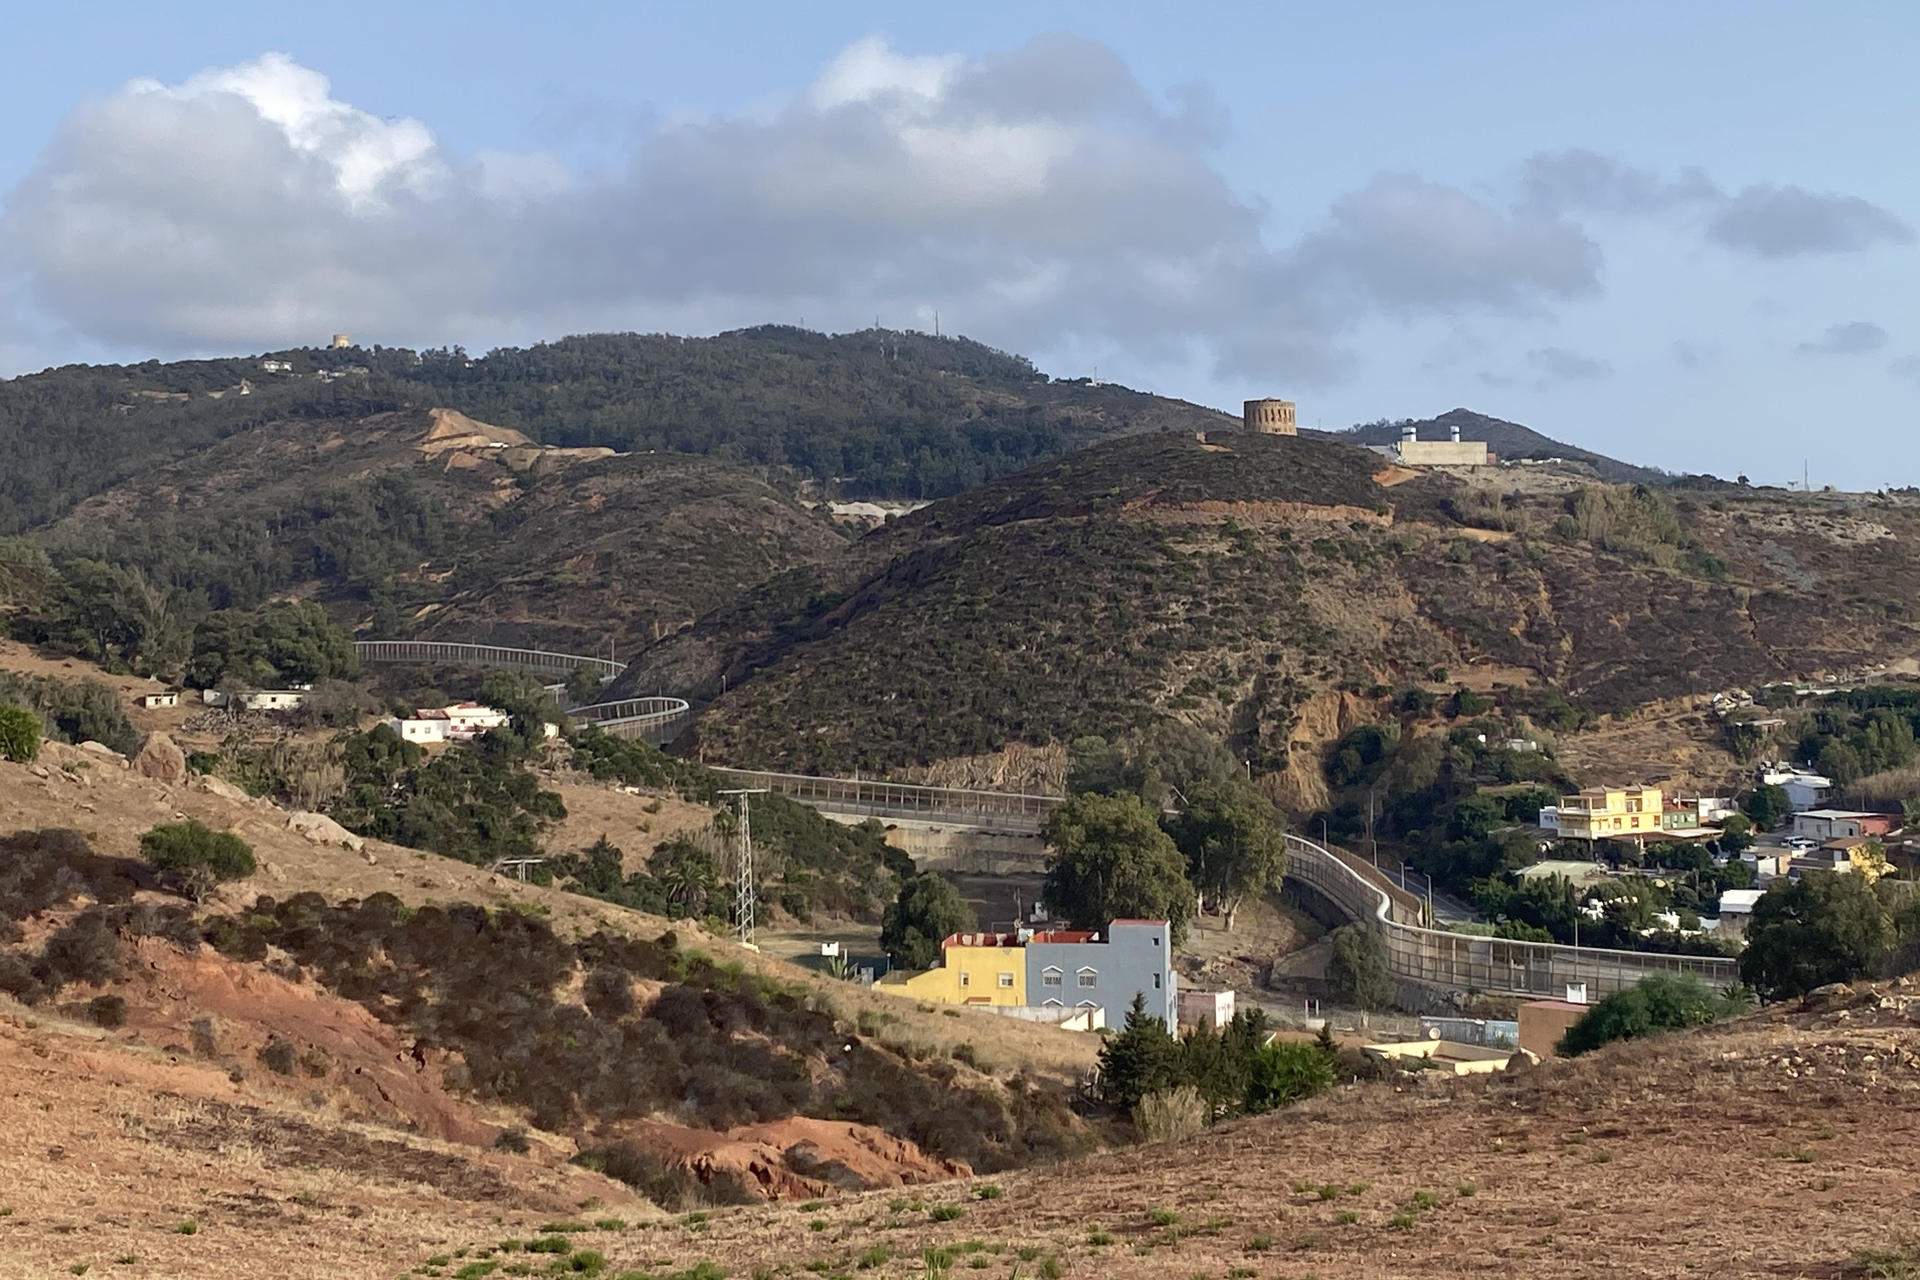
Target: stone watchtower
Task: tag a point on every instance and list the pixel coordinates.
(1269, 417)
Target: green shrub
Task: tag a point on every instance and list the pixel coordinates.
(1663, 1002)
(108, 1011)
(1287, 1072)
(19, 734)
(194, 858)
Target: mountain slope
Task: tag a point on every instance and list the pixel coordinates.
(1507, 440)
(878, 413)
(1247, 584)
(438, 524)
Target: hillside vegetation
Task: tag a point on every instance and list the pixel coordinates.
(1240, 584)
(879, 413)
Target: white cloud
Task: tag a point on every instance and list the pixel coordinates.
(1040, 198)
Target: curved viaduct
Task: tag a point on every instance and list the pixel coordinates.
(1419, 957)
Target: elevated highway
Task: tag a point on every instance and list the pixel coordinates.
(1418, 956)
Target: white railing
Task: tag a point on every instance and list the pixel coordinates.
(1465, 962)
(657, 720)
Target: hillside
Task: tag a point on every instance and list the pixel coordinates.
(1265, 590)
(1508, 440)
(434, 523)
(872, 414)
(410, 991)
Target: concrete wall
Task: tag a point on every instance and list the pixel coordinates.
(1444, 453)
(1135, 958)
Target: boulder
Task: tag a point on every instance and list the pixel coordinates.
(321, 829)
(160, 759)
(102, 749)
(221, 787)
(1522, 1060)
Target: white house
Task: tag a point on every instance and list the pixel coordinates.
(276, 366)
(460, 722)
(1805, 790)
(152, 700)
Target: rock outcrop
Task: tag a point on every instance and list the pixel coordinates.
(162, 760)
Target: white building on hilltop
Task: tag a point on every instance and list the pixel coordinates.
(460, 722)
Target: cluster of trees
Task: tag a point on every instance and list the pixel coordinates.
(279, 644)
(1447, 799)
(72, 710)
(1620, 914)
(1233, 1070)
(102, 612)
(1161, 826)
(478, 805)
(1861, 732)
(1827, 927)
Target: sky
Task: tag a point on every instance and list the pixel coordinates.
(1685, 235)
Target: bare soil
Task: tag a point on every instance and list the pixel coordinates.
(1644, 1160)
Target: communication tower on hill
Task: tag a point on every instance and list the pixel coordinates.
(744, 899)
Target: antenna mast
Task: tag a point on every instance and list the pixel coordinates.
(743, 888)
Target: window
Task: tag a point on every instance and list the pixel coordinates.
(1050, 976)
(1156, 982)
(966, 979)
(1006, 980)
(1089, 977)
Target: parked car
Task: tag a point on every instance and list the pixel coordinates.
(1802, 844)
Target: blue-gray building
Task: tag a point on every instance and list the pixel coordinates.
(1135, 956)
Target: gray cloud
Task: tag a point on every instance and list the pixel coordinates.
(1907, 367)
(1557, 364)
(1691, 355)
(1765, 221)
(1784, 222)
(1852, 338)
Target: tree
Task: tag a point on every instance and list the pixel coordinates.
(1827, 926)
(1286, 1072)
(1767, 805)
(1233, 843)
(1357, 969)
(686, 874)
(277, 644)
(583, 686)
(1142, 1059)
(193, 858)
(1736, 835)
(19, 734)
(1112, 861)
(926, 911)
(1662, 1002)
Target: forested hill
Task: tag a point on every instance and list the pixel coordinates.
(877, 413)
(1507, 440)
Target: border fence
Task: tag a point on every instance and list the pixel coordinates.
(1465, 962)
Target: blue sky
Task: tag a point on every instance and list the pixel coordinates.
(1683, 234)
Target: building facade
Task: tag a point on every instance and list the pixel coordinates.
(1838, 824)
(1054, 969)
(1136, 957)
(1412, 451)
(1607, 813)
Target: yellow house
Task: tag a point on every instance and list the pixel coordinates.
(975, 968)
(1606, 813)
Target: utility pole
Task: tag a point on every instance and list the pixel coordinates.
(743, 888)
